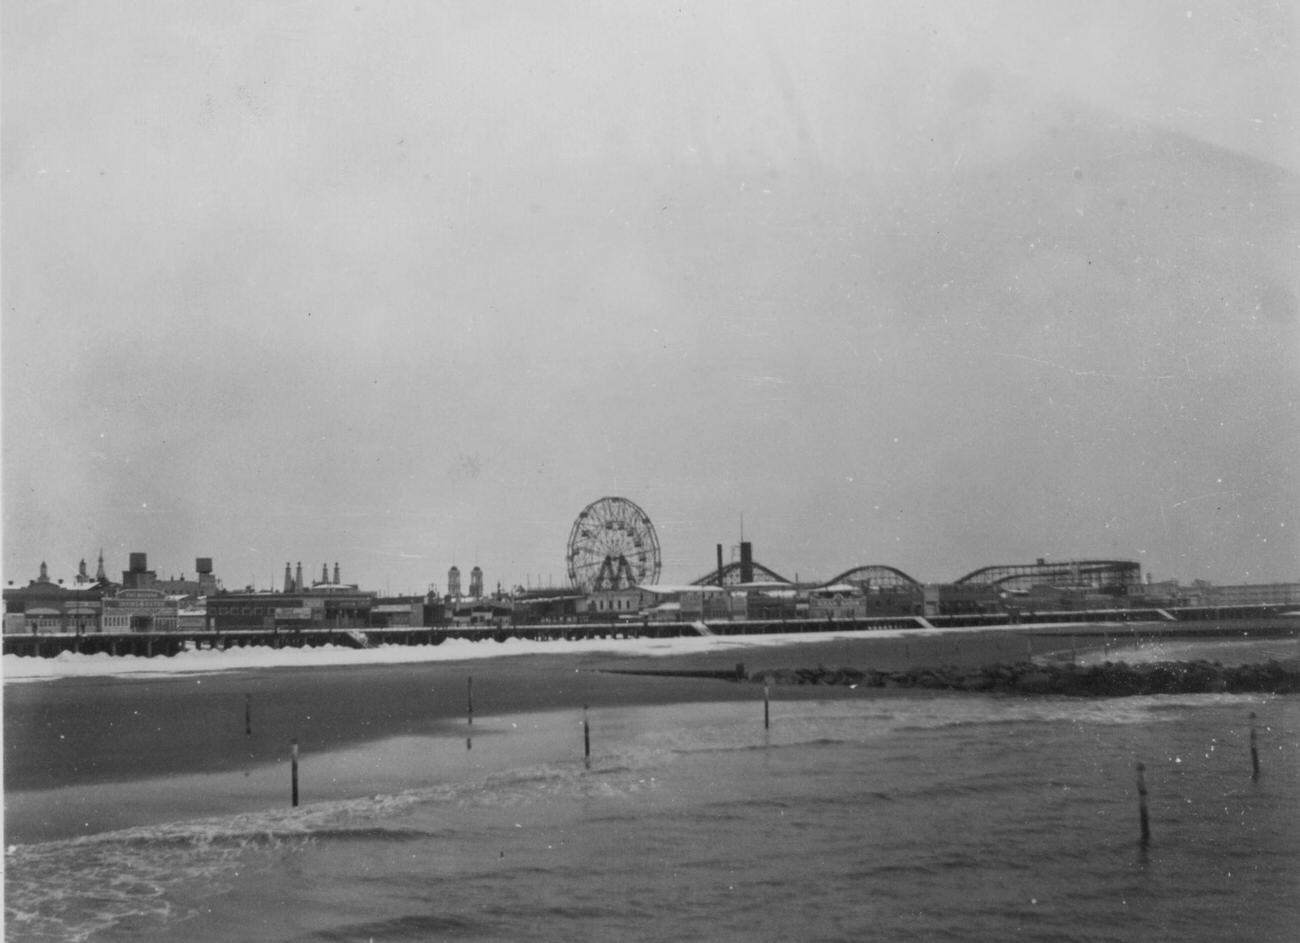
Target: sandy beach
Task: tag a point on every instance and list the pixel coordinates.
(86, 730)
(70, 738)
(137, 802)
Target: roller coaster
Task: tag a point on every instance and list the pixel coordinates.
(1115, 577)
(1106, 576)
(731, 575)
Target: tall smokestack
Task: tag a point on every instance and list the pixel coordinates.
(746, 562)
(720, 564)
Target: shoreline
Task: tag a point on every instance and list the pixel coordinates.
(67, 736)
(86, 729)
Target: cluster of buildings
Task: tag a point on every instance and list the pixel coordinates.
(141, 601)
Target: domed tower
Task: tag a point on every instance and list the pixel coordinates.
(476, 583)
(453, 582)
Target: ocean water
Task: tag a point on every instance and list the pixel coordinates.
(857, 816)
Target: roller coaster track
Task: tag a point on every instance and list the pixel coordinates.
(875, 575)
(731, 575)
(1113, 575)
(1103, 574)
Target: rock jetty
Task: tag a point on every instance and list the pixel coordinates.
(1029, 678)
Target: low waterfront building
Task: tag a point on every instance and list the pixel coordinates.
(47, 606)
(1256, 594)
(324, 606)
(837, 601)
(617, 603)
(140, 610)
(951, 599)
(390, 612)
(549, 605)
(659, 603)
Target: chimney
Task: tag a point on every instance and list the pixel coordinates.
(720, 580)
(746, 562)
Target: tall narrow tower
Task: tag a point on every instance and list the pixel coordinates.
(453, 582)
(476, 583)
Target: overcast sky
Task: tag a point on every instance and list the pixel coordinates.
(399, 285)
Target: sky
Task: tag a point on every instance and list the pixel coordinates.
(408, 285)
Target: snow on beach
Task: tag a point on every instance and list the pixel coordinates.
(70, 665)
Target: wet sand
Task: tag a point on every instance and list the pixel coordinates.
(81, 731)
(92, 754)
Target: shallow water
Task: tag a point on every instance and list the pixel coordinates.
(944, 817)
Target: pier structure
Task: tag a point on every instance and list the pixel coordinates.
(1244, 621)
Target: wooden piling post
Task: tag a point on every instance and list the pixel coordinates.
(1254, 750)
(586, 735)
(248, 715)
(469, 699)
(1143, 818)
(767, 710)
(294, 772)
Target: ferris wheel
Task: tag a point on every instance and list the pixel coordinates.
(612, 546)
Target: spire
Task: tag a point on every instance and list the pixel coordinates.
(45, 573)
(99, 573)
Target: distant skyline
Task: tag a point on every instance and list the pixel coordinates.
(405, 285)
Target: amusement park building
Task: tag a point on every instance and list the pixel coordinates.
(46, 605)
(331, 606)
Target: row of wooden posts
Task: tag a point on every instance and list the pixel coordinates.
(1144, 818)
